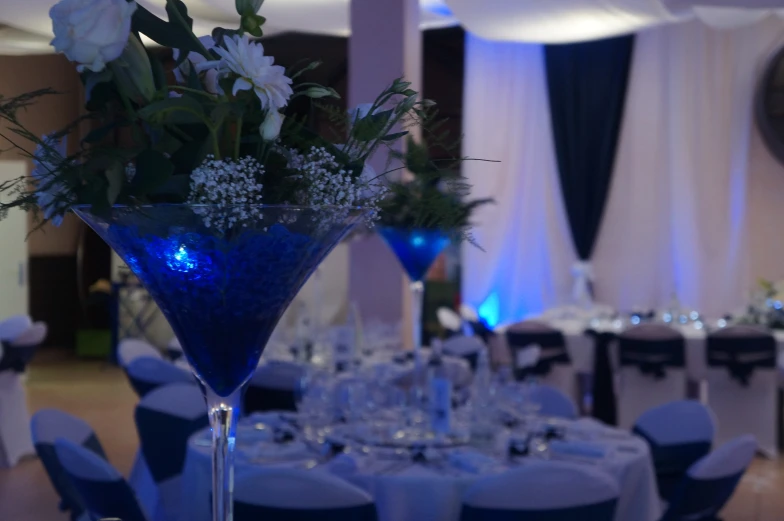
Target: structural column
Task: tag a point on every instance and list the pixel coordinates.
(385, 44)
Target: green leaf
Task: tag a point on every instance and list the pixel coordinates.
(245, 7)
(395, 136)
(193, 79)
(153, 169)
(158, 73)
(181, 8)
(252, 23)
(175, 189)
(371, 126)
(115, 175)
(163, 33)
(97, 134)
(174, 110)
(94, 78)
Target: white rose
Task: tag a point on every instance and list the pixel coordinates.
(91, 33)
(270, 129)
(200, 64)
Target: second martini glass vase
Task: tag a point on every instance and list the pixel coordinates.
(222, 276)
(416, 249)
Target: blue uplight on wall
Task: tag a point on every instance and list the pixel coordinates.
(489, 310)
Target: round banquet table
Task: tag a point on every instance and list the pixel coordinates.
(405, 490)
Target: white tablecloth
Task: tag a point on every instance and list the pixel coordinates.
(405, 491)
(581, 347)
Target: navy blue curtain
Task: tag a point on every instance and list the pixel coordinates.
(587, 84)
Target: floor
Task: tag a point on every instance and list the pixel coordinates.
(99, 394)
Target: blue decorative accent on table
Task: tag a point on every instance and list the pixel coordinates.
(416, 249)
(222, 290)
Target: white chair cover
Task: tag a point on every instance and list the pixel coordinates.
(731, 458)
(681, 421)
(462, 345)
(15, 440)
(468, 313)
(12, 327)
(747, 409)
(637, 392)
(541, 485)
(132, 348)
(553, 402)
(449, 320)
(291, 489)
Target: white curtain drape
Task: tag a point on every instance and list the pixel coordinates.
(678, 217)
(525, 265)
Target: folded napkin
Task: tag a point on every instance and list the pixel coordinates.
(343, 464)
(577, 448)
(473, 462)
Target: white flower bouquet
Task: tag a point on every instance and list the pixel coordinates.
(221, 133)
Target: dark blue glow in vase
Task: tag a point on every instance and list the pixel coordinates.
(416, 249)
(222, 276)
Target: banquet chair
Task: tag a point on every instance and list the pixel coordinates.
(165, 419)
(711, 481)
(650, 370)
(543, 491)
(477, 324)
(104, 492)
(465, 347)
(15, 441)
(450, 321)
(273, 387)
(13, 326)
(678, 433)
(286, 494)
(174, 349)
(554, 366)
(130, 349)
(146, 374)
(46, 426)
(743, 384)
(552, 402)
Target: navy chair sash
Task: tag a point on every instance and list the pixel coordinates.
(246, 512)
(141, 386)
(672, 461)
(164, 440)
(69, 497)
(262, 399)
(604, 405)
(174, 354)
(700, 500)
(604, 511)
(553, 347)
(652, 357)
(482, 330)
(741, 355)
(16, 358)
(113, 499)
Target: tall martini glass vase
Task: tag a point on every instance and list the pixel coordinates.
(416, 249)
(222, 276)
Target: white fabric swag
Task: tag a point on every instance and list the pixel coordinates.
(695, 198)
(528, 252)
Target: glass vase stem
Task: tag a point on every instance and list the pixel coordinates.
(223, 413)
(417, 289)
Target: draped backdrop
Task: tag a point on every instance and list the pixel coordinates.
(694, 205)
(586, 85)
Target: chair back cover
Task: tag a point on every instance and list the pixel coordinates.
(174, 349)
(552, 402)
(449, 320)
(553, 491)
(146, 374)
(679, 434)
(103, 490)
(273, 387)
(742, 383)
(46, 426)
(710, 482)
(165, 418)
(13, 326)
(468, 313)
(132, 348)
(282, 494)
(465, 347)
(650, 370)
